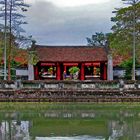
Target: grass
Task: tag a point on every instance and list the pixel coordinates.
(11, 106)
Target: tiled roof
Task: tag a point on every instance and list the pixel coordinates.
(118, 59)
(70, 53)
(20, 56)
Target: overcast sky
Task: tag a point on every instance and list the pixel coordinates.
(68, 22)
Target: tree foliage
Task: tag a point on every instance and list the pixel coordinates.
(98, 39)
(11, 13)
(125, 19)
(33, 58)
(74, 69)
(127, 65)
(126, 30)
(15, 19)
(15, 16)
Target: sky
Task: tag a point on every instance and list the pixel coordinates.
(68, 22)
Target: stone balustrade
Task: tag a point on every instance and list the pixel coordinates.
(73, 85)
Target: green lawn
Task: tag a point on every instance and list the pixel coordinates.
(67, 106)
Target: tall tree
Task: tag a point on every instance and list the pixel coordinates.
(5, 43)
(14, 16)
(127, 27)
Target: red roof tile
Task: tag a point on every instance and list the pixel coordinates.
(20, 56)
(118, 59)
(70, 53)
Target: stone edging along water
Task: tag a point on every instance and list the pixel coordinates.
(70, 91)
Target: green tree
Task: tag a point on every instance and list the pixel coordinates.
(127, 65)
(124, 25)
(12, 10)
(98, 39)
(126, 31)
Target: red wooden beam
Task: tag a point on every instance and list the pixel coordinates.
(70, 64)
(47, 64)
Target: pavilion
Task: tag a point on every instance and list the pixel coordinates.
(54, 61)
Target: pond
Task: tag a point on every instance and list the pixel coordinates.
(69, 121)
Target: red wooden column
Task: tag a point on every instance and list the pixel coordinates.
(58, 74)
(94, 69)
(65, 68)
(105, 72)
(102, 71)
(36, 72)
(83, 71)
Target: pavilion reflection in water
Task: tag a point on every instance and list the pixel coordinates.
(14, 130)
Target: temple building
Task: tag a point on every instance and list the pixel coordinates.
(69, 62)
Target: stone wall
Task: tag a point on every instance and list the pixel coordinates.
(73, 85)
(70, 91)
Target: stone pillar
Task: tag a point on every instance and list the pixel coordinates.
(110, 68)
(30, 72)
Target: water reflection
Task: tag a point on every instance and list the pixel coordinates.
(71, 138)
(75, 124)
(14, 130)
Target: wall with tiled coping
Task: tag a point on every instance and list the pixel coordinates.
(70, 84)
(70, 91)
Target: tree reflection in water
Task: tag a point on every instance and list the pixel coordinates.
(14, 131)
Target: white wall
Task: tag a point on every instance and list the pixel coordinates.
(120, 73)
(21, 72)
